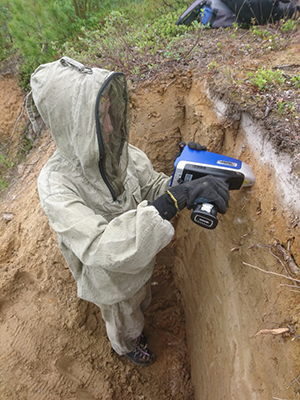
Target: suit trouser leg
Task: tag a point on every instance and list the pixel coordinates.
(125, 320)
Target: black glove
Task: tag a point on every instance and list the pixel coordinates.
(196, 146)
(180, 148)
(192, 145)
(165, 205)
(207, 188)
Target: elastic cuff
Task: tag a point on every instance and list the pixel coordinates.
(165, 206)
(178, 192)
(174, 199)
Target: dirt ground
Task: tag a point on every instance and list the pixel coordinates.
(226, 301)
(207, 305)
(53, 345)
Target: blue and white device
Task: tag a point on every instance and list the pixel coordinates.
(194, 164)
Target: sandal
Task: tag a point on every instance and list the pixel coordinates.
(141, 356)
(142, 339)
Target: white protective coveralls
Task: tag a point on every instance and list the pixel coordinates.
(95, 191)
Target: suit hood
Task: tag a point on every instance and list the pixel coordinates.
(86, 110)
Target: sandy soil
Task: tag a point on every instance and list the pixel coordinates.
(53, 345)
(226, 302)
(207, 306)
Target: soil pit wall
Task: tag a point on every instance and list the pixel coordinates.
(54, 346)
(227, 302)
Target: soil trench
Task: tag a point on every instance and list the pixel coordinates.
(212, 312)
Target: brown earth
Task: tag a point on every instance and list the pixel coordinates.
(53, 345)
(207, 305)
(226, 302)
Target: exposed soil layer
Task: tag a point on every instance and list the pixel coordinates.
(208, 302)
(53, 345)
(227, 300)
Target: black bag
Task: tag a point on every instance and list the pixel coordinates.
(223, 13)
(212, 12)
(262, 11)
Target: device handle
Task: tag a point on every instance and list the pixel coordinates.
(205, 214)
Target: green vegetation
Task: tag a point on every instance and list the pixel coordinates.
(5, 161)
(285, 107)
(134, 49)
(139, 38)
(133, 36)
(259, 31)
(296, 81)
(265, 78)
(5, 36)
(3, 184)
(213, 65)
(31, 26)
(5, 166)
(40, 32)
(289, 25)
(12, 156)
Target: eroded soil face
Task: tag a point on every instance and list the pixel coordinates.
(10, 105)
(227, 302)
(54, 345)
(207, 305)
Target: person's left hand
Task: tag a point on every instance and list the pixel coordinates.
(192, 145)
(196, 146)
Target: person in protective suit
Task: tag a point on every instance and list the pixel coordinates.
(110, 209)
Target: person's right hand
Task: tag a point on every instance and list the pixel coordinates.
(208, 189)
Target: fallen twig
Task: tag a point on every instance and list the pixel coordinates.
(286, 66)
(293, 381)
(274, 255)
(168, 84)
(295, 288)
(193, 46)
(276, 331)
(290, 263)
(271, 273)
